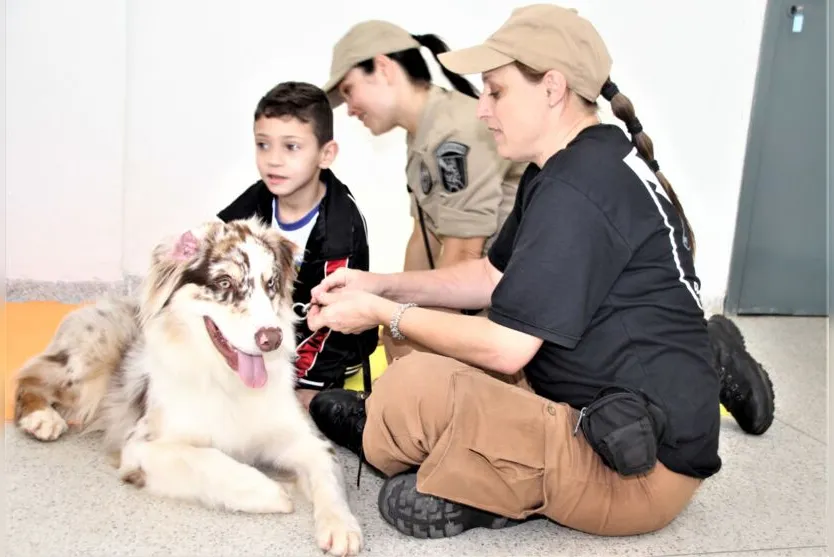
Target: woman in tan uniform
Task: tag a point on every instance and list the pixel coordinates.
(456, 178)
(461, 190)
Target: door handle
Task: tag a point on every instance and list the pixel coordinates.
(797, 13)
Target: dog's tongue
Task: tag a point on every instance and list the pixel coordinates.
(251, 370)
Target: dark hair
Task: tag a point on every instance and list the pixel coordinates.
(300, 100)
(624, 110)
(414, 65)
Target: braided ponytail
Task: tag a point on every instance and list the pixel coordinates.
(624, 110)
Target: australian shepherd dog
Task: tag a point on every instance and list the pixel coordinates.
(192, 383)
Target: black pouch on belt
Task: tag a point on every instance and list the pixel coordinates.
(624, 428)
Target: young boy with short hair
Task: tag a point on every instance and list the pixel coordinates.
(299, 194)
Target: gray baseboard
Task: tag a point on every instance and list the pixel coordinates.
(76, 292)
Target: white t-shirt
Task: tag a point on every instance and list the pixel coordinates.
(297, 232)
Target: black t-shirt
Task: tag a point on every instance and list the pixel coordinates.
(596, 264)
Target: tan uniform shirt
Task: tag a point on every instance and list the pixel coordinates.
(455, 174)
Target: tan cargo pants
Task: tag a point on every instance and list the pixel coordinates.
(497, 446)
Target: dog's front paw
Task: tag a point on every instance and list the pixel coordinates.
(339, 534)
(45, 424)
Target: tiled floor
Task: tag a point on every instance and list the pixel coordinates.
(768, 500)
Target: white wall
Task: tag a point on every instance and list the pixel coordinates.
(132, 120)
(65, 105)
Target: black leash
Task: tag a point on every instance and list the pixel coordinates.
(425, 236)
(366, 387)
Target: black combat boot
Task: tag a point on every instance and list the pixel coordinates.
(746, 390)
(424, 516)
(340, 416)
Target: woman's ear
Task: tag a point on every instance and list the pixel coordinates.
(384, 68)
(555, 87)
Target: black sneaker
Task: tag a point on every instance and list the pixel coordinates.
(425, 516)
(746, 389)
(340, 416)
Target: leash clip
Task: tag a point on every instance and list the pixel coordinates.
(302, 309)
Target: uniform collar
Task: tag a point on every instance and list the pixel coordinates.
(419, 140)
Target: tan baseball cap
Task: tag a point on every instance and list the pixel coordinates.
(362, 42)
(543, 37)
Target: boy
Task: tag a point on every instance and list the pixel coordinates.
(300, 195)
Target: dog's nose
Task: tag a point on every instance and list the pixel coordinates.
(268, 338)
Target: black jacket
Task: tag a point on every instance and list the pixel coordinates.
(338, 239)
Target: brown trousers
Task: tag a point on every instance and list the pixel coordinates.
(496, 445)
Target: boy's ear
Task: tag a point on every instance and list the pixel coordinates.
(328, 153)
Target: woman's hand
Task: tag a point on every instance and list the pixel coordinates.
(348, 311)
(346, 279)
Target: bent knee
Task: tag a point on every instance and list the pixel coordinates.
(414, 375)
(415, 387)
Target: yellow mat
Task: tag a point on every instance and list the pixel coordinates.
(27, 327)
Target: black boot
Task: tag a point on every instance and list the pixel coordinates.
(746, 390)
(340, 415)
(425, 516)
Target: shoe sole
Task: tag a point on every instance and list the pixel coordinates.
(770, 398)
(425, 516)
(744, 359)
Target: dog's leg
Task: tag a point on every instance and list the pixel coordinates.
(202, 474)
(69, 379)
(40, 389)
(34, 413)
(321, 479)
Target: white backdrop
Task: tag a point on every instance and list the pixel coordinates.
(130, 120)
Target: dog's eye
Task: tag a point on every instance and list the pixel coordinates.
(224, 282)
(271, 284)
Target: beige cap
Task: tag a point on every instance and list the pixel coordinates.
(362, 42)
(543, 37)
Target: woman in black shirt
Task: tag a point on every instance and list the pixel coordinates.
(591, 292)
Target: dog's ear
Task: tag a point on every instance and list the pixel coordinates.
(169, 262)
(285, 252)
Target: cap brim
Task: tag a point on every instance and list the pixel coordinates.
(473, 60)
(331, 88)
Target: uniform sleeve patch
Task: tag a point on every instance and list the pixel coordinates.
(425, 178)
(451, 165)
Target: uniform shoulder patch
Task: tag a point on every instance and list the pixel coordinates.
(425, 178)
(451, 165)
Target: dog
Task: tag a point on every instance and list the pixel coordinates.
(192, 382)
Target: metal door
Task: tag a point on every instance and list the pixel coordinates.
(779, 263)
